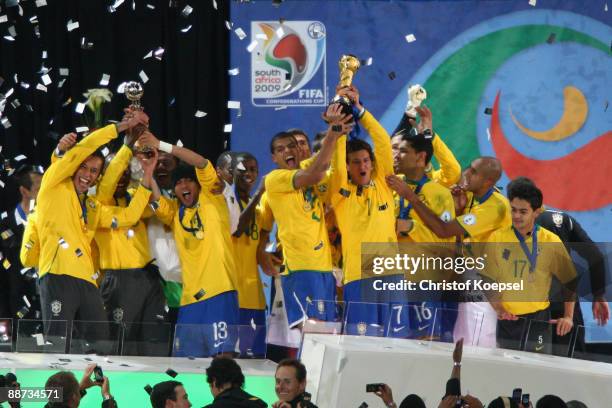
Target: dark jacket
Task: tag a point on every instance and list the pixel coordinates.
(105, 404)
(236, 398)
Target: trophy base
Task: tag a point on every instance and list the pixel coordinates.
(347, 105)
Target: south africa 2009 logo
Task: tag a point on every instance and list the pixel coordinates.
(288, 63)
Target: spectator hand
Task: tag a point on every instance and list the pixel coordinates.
(472, 402)
(385, 393)
(396, 184)
(86, 381)
(458, 352)
(448, 402)
(105, 388)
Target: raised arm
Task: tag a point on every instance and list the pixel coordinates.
(339, 124)
(188, 156)
(30, 244)
(450, 170)
(112, 174)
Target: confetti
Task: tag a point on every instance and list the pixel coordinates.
(532, 2)
(61, 82)
(9, 38)
(40, 340)
(200, 114)
(4, 215)
(488, 134)
(367, 62)
(46, 79)
(228, 25)
(227, 128)
(150, 6)
(252, 46)
(148, 389)
(551, 38)
(121, 87)
(34, 20)
(85, 45)
(488, 111)
(179, 143)
(234, 71)
(144, 77)
(280, 107)
(186, 11)
(44, 55)
(280, 32)
(105, 80)
(233, 104)
(159, 52)
(15, 103)
(63, 243)
(82, 129)
(3, 19)
(72, 25)
(105, 152)
(149, 55)
(20, 158)
(80, 107)
(261, 36)
(184, 30)
(240, 33)
(6, 124)
(214, 4)
(41, 3)
(26, 301)
(171, 373)
(12, 31)
(64, 71)
(391, 75)
(9, 93)
(41, 87)
(410, 38)
(130, 233)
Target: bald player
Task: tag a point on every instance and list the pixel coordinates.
(481, 211)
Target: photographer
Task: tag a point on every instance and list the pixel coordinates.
(411, 401)
(72, 391)
(290, 386)
(226, 380)
(9, 381)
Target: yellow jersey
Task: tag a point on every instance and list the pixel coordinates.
(202, 236)
(66, 234)
(30, 243)
(365, 214)
(125, 247)
(300, 217)
(512, 265)
(249, 286)
(449, 172)
(485, 215)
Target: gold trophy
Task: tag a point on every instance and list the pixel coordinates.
(349, 65)
(133, 92)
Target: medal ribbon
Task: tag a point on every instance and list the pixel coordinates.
(533, 256)
(405, 211)
(199, 224)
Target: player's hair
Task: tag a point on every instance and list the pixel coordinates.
(525, 189)
(163, 391)
(67, 382)
(550, 401)
(23, 175)
(300, 369)
(318, 141)
(224, 370)
(412, 401)
(420, 144)
(356, 145)
(279, 136)
(242, 156)
(296, 131)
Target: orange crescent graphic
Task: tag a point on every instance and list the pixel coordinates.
(269, 32)
(575, 110)
(578, 181)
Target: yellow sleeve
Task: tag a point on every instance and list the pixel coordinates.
(112, 174)
(55, 157)
(264, 212)
(339, 177)
(280, 181)
(450, 170)
(166, 210)
(30, 244)
(382, 143)
(207, 177)
(115, 217)
(306, 163)
(72, 159)
(482, 219)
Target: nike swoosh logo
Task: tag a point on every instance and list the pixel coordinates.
(424, 327)
(217, 344)
(538, 348)
(396, 329)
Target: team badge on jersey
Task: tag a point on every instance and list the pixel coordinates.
(469, 219)
(362, 327)
(321, 306)
(56, 307)
(446, 217)
(118, 315)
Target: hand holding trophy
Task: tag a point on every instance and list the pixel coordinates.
(134, 92)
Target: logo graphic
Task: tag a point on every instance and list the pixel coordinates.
(56, 307)
(362, 328)
(321, 306)
(286, 62)
(398, 329)
(469, 219)
(557, 219)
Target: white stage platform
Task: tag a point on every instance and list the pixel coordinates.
(339, 367)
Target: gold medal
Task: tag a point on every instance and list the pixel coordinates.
(307, 206)
(199, 235)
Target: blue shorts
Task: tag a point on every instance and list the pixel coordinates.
(422, 320)
(207, 328)
(252, 333)
(366, 309)
(309, 294)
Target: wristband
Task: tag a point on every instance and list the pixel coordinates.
(361, 112)
(165, 147)
(456, 364)
(336, 128)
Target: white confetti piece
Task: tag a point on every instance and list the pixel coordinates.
(40, 340)
(1, 184)
(532, 3)
(144, 77)
(240, 33)
(187, 11)
(61, 82)
(233, 104)
(20, 158)
(25, 85)
(280, 108)
(214, 4)
(105, 151)
(9, 93)
(488, 134)
(80, 107)
(227, 128)
(261, 36)
(41, 87)
(9, 38)
(82, 129)
(184, 30)
(41, 3)
(63, 243)
(64, 71)
(280, 32)
(46, 79)
(105, 79)
(12, 31)
(252, 46)
(149, 55)
(72, 25)
(234, 71)
(130, 233)
(4, 215)
(44, 55)
(410, 38)
(25, 299)
(3, 18)
(150, 6)
(121, 87)
(606, 7)
(6, 124)
(179, 143)
(228, 25)
(368, 62)
(159, 52)
(200, 114)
